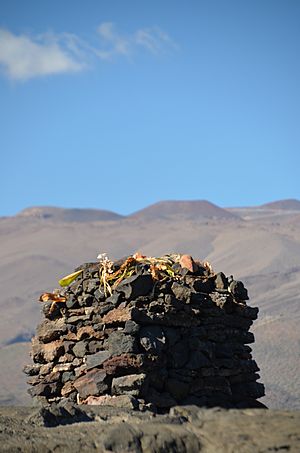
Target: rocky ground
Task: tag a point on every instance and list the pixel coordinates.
(184, 429)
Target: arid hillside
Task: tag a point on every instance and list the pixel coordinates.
(258, 245)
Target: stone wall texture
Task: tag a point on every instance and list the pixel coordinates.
(153, 342)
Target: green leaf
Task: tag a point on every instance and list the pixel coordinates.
(65, 281)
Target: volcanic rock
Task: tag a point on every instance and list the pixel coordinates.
(147, 333)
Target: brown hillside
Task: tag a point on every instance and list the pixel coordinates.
(195, 209)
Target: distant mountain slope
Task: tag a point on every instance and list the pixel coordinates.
(69, 215)
(187, 209)
(291, 205)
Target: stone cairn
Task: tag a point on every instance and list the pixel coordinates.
(146, 333)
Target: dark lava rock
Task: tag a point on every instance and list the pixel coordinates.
(172, 335)
(92, 383)
(114, 299)
(91, 285)
(67, 376)
(131, 327)
(221, 281)
(158, 377)
(180, 291)
(182, 375)
(197, 360)
(51, 311)
(86, 300)
(134, 384)
(31, 370)
(97, 359)
(153, 339)
(178, 354)
(206, 347)
(161, 400)
(120, 343)
(95, 346)
(135, 286)
(78, 319)
(71, 301)
(80, 348)
(238, 290)
(105, 307)
(204, 285)
(99, 295)
(178, 389)
(76, 287)
(45, 389)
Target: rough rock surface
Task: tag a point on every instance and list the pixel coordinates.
(186, 429)
(165, 331)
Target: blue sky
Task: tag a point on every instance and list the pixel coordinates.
(119, 104)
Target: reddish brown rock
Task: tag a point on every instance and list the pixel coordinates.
(91, 384)
(51, 330)
(124, 362)
(67, 388)
(88, 332)
(46, 351)
(117, 315)
(70, 336)
(52, 377)
(66, 358)
(126, 401)
(46, 368)
(187, 262)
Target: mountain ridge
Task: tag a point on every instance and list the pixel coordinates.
(289, 204)
(68, 214)
(188, 208)
(161, 209)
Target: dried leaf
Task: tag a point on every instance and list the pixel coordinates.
(208, 266)
(154, 272)
(139, 256)
(45, 297)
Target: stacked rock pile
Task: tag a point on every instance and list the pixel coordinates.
(146, 333)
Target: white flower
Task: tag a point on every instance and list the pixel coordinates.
(102, 257)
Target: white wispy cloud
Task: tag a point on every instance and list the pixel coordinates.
(112, 43)
(24, 56)
(154, 39)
